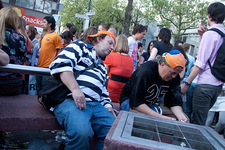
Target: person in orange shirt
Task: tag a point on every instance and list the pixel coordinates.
(51, 43)
(120, 65)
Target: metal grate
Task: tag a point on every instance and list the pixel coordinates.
(170, 134)
(156, 133)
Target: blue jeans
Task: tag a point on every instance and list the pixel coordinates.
(80, 125)
(125, 106)
(135, 65)
(187, 106)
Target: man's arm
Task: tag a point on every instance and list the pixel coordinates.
(201, 31)
(69, 80)
(107, 68)
(141, 60)
(195, 69)
(178, 112)
(106, 101)
(153, 54)
(194, 72)
(143, 108)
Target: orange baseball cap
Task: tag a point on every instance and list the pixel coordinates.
(102, 32)
(175, 59)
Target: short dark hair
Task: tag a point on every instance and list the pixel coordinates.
(138, 29)
(73, 30)
(67, 35)
(51, 20)
(69, 25)
(177, 43)
(160, 59)
(32, 30)
(140, 45)
(181, 49)
(105, 26)
(165, 35)
(217, 12)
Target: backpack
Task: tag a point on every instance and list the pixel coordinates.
(54, 91)
(218, 68)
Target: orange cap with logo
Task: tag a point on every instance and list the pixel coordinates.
(175, 59)
(102, 32)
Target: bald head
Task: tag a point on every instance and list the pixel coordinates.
(113, 30)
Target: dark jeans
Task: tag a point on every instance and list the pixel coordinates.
(204, 98)
(187, 106)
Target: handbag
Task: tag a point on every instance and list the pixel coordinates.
(54, 91)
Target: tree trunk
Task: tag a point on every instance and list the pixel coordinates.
(128, 17)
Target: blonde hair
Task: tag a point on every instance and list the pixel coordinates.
(8, 16)
(121, 44)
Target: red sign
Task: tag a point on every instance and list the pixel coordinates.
(29, 19)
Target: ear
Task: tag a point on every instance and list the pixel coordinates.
(162, 64)
(209, 16)
(99, 39)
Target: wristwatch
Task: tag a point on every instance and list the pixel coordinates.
(186, 83)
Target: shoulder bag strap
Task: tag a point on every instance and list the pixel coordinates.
(77, 73)
(222, 35)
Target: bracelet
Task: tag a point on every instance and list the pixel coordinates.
(186, 83)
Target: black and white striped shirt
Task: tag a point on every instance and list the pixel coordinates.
(78, 56)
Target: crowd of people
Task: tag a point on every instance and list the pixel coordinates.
(142, 81)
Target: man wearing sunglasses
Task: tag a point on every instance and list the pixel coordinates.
(153, 80)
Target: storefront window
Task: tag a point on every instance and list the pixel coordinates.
(47, 8)
(39, 5)
(6, 1)
(25, 3)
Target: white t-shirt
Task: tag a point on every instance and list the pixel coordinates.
(133, 47)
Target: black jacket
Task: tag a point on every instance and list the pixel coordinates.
(146, 86)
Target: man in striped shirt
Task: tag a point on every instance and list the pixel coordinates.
(88, 107)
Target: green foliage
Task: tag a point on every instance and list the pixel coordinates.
(178, 15)
(106, 11)
(72, 7)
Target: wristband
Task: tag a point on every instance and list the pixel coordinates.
(186, 83)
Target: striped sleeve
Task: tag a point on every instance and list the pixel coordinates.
(105, 100)
(66, 60)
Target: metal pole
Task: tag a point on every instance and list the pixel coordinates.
(89, 6)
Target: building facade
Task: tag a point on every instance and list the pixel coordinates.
(33, 11)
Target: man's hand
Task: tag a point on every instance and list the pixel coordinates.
(178, 112)
(184, 118)
(184, 88)
(201, 29)
(79, 99)
(169, 118)
(111, 110)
